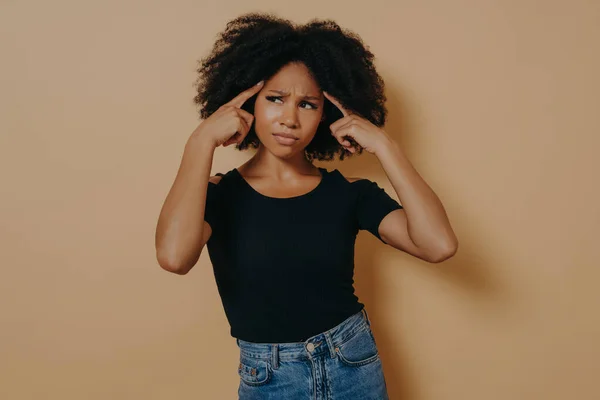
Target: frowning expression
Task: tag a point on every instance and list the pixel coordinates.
(288, 110)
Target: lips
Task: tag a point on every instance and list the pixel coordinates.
(284, 139)
(286, 135)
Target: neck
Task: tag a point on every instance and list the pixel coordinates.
(265, 163)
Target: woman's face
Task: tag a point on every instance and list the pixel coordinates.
(290, 103)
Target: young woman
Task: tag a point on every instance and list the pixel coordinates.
(280, 231)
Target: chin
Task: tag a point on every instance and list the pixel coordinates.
(283, 152)
(286, 152)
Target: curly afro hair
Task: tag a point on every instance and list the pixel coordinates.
(255, 46)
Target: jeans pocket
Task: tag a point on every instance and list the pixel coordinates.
(360, 349)
(254, 371)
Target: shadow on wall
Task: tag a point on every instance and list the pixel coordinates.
(463, 270)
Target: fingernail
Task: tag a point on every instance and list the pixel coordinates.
(260, 83)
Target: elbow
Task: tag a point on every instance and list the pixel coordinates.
(445, 253)
(175, 270)
(176, 260)
(172, 265)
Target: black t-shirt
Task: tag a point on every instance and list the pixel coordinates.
(284, 266)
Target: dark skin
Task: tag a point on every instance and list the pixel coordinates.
(291, 102)
(421, 228)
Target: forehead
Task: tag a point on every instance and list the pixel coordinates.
(294, 77)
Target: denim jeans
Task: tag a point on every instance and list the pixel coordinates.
(342, 363)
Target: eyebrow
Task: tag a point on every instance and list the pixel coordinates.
(287, 94)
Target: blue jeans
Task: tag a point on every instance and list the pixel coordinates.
(342, 363)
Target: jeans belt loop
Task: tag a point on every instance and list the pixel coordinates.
(329, 340)
(275, 356)
(366, 316)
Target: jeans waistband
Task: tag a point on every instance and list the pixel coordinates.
(322, 343)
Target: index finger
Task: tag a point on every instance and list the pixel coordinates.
(337, 103)
(241, 98)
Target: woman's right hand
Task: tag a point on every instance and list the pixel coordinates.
(229, 124)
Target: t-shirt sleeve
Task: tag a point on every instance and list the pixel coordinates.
(373, 204)
(214, 204)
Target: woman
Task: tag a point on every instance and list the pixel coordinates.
(280, 231)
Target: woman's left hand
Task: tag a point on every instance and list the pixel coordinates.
(364, 133)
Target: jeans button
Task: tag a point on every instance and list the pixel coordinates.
(310, 347)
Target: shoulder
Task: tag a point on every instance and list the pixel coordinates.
(352, 185)
(352, 179)
(348, 179)
(220, 177)
(359, 186)
(217, 188)
(215, 179)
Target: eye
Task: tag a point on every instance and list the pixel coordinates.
(314, 107)
(273, 98)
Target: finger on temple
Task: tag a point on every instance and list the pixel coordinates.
(240, 99)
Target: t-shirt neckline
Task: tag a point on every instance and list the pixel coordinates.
(324, 173)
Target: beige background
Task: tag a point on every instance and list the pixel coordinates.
(495, 102)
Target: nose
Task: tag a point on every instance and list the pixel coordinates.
(290, 116)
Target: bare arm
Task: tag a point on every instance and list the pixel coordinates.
(181, 232)
(421, 227)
